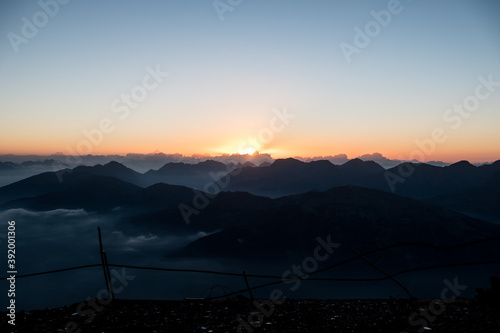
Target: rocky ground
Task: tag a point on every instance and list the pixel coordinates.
(243, 315)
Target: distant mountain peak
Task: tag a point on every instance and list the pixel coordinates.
(115, 166)
(110, 166)
(321, 162)
(113, 163)
(286, 162)
(248, 164)
(461, 165)
(210, 163)
(357, 164)
(354, 161)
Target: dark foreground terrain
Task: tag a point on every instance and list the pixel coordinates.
(291, 316)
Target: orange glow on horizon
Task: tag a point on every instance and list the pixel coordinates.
(312, 147)
(452, 156)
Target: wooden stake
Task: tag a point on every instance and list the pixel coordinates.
(103, 260)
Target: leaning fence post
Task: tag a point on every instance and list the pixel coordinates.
(104, 264)
(109, 275)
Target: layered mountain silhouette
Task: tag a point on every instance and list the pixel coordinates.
(427, 181)
(273, 217)
(291, 176)
(25, 164)
(112, 169)
(359, 218)
(461, 186)
(275, 213)
(33, 186)
(416, 180)
(172, 173)
(191, 175)
(104, 194)
(482, 202)
(48, 182)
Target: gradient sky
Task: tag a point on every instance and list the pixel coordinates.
(227, 76)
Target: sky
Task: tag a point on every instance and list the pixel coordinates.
(407, 79)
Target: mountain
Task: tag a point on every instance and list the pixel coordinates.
(246, 164)
(172, 173)
(480, 202)
(8, 166)
(105, 194)
(428, 181)
(113, 169)
(161, 196)
(357, 166)
(33, 186)
(48, 182)
(79, 190)
(415, 180)
(462, 186)
(357, 218)
(191, 175)
(291, 176)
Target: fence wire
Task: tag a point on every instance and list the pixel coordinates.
(301, 277)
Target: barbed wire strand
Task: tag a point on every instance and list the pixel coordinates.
(302, 276)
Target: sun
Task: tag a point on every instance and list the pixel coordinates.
(246, 150)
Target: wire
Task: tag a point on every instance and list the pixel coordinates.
(54, 271)
(283, 280)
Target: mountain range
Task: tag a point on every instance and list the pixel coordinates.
(276, 213)
(359, 218)
(462, 187)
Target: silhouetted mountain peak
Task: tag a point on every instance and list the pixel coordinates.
(358, 165)
(111, 169)
(496, 163)
(208, 165)
(321, 162)
(113, 165)
(287, 162)
(169, 166)
(355, 215)
(354, 161)
(211, 164)
(462, 165)
(248, 164)
(414, 166)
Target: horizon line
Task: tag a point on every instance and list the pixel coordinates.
(365, 157)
